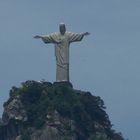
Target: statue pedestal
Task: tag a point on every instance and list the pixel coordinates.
(63, 83)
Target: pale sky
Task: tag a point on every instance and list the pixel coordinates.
(106, 63)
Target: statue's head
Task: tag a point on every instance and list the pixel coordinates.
(62, 28)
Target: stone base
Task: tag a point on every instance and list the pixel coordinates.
(63, 83)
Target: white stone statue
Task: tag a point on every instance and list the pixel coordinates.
(62, 41)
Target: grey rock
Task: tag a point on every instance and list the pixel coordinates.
(14, 110)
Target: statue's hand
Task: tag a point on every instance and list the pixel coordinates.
(86, 33)
(37, 37)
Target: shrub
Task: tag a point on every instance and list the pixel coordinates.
(26, 135)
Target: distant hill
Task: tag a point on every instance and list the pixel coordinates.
(46, 111)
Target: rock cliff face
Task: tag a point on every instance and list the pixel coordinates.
(46, 111)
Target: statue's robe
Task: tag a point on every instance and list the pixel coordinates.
(62, 51)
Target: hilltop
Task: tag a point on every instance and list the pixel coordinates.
(54, 111)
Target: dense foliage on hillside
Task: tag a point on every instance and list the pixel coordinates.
(41, 100)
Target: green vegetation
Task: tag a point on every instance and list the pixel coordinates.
(26, 135)
(87, 111)
(94, 137)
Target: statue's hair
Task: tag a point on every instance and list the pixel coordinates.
(62, 24)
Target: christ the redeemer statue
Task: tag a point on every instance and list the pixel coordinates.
(62, 40)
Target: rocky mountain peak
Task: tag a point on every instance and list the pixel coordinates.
(40, 110)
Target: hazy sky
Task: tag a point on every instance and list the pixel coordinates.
(106, 63)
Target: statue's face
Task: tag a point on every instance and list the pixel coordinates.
(62, 29)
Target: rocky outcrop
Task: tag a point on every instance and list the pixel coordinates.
(45, 111)
(14, 110)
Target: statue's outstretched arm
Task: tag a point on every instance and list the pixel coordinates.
(86, 33)
(47, 39)
(73, 37)
(38, 37)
